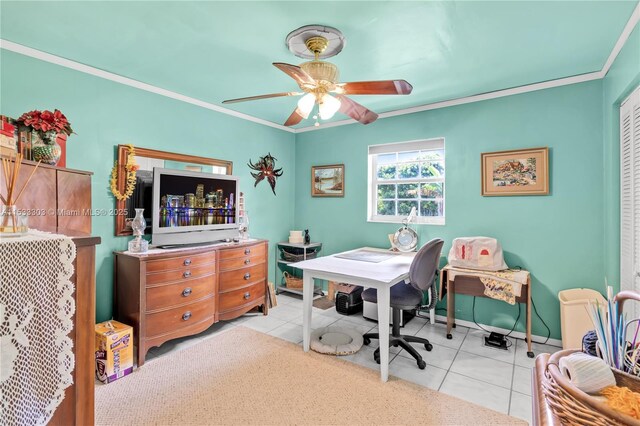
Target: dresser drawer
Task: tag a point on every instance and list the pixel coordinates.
(185, 273)
(255, 250)
(232, 280)
(234, 299)
(165, 296)
(239, 262)
(177, 318)
(181, 262)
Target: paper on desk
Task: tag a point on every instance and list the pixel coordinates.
(386, 271)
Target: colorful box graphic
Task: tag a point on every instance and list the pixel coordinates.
(114, 351)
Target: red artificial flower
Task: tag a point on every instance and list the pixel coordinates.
(45, 121)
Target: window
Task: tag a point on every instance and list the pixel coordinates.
(405, 175)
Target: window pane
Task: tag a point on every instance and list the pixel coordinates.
(432, 169)
(431, 208)
(408, 156)
(404, 207)
(387, 191)
(387, 172)
(408, 190)
(408, 171)
(432, 190)
(386, 208)
(386, 158)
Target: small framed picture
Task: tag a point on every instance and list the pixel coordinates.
(516, 172)
(327, 181)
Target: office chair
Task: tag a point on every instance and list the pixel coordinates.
(407, 296)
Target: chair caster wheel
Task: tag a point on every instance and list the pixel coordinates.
(454, 326)
(428, 347)
(449, 336)
(422, 365)
(366, 341)
(530, 354)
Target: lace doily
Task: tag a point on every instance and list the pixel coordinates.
(36, 309)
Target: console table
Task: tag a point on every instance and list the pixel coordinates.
(169, 293)
(471, 285)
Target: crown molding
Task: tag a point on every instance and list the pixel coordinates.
(87, 69)
(581, 78)
(468, 99)
(626, 32)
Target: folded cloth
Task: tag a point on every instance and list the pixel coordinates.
(501, 285)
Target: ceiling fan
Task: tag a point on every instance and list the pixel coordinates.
(318, 80)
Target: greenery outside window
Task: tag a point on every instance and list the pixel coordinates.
(405, 175)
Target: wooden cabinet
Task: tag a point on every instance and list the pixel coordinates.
(166, 294)
(58, 200)
(55, 198)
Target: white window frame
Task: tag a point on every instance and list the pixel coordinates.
(372, 178)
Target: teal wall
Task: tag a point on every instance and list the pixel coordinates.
(567, 239)
(105, 114)
(622, 78)
(557, 237)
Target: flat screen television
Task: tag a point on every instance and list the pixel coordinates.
(193, 207)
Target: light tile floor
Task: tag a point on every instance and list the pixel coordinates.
(461, 367)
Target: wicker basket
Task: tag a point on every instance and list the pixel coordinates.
(291, 256)
(575, 407)
(292, 282)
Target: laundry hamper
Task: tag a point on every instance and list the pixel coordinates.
(570, 405)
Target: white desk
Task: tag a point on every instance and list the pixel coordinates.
(380, 276)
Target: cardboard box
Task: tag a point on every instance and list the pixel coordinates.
(114, 351)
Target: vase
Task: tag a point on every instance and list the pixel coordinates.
(45, 148)
(12, 221)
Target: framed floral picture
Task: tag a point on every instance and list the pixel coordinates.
(516, 172)
(327, 181)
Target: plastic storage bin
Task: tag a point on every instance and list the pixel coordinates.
(574, 318)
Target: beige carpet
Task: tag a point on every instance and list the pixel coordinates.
(245, 377)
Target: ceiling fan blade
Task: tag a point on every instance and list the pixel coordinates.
(382, 87)
(295, 117)
(297, 73)
(356, 111)
(255, 98)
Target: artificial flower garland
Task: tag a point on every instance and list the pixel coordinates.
(131, 167)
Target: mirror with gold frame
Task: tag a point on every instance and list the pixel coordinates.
(147, 159)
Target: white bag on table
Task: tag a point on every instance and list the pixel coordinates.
(481, 253)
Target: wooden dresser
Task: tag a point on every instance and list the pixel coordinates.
(166, 294)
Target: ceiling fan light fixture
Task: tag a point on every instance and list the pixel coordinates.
(305, 104)
(328, 106)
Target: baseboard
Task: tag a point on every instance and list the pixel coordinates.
(516, 334)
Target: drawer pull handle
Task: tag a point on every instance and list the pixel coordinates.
(186, 292)
(247, 276)
(186, 316)
(248, 261)
(247, 251)
(247, 295)
(187, 262)
(186, 274)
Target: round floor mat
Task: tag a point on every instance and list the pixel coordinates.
(336, 340)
